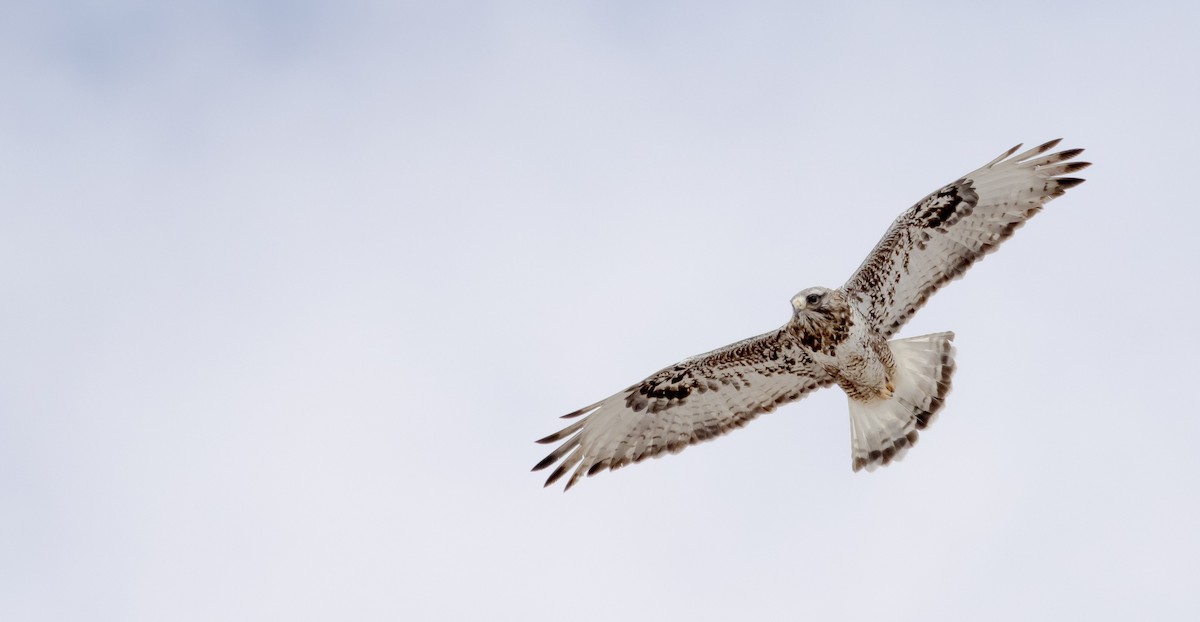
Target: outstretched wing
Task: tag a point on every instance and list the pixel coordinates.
(695, 400)
(937, 239)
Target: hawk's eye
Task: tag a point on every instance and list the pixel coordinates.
(812, 299)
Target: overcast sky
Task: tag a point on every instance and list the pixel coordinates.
(289, 289)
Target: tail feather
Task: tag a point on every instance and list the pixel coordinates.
(882, 430)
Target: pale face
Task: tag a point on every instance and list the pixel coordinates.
(810, 299)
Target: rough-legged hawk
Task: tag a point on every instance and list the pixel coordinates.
(835, 336)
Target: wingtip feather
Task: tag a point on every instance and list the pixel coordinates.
(563, 433)
(1038, 150)
(547, 461)
(581, 411)
(1001, 157)
(556, 475)
(1048, 145)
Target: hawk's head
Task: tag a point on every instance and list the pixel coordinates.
(812, 301)
(821, 318)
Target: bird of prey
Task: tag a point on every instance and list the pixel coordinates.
(836, 336)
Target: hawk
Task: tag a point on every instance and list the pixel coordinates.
(835, 336)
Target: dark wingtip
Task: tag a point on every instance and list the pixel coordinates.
(579, 412)
(1048, 145)
(1075, 166)
(549, 439)
(555, 475)
(547, 461)
(1069, 182)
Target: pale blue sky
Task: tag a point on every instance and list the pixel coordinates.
(292, 287)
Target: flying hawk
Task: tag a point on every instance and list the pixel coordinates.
(835, 336)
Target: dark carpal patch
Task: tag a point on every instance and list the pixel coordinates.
(945, 206)
(670, 392)
(668, 387)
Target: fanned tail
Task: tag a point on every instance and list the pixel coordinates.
(882, 430)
